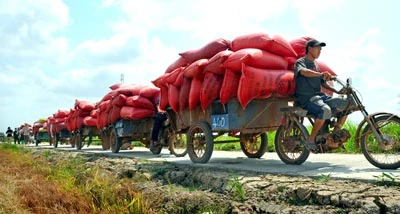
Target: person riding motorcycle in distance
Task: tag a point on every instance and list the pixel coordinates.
(309, 80)
(159, 118)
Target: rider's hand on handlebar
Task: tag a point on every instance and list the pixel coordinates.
(342, 91)
(326, 76)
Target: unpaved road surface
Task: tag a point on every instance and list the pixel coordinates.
(318, 186)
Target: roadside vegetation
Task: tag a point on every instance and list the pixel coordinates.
(47, 182)
(33, 184)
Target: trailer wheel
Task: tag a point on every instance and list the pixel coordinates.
(78, 141)
(115, 141)
(254, 145)
(200, 142)
(177, 145)
(55, 141)
(105, 138)
(73, 140)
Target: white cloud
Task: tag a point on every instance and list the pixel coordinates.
(27, 28)
(310, 11)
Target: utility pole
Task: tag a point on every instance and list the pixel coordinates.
(122, 78)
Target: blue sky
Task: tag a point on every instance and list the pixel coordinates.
(53, 52)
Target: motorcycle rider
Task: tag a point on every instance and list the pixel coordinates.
(309, 79)
(159, 118)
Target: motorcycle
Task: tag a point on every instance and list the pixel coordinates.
(167, 137)
(378, 134)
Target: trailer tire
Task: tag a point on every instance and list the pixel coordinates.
(73, 140)
(78, 141)
(105, 138)
(200, 144)
(115, 141)
(255, 149)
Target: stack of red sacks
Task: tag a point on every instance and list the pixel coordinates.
(56, 123)
(22, 126)
(39, 125)
(253, 66)
(185, 84)
(127, 101)
(80, 115)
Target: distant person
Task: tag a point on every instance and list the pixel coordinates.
(26, 133)
(9, 134)
(159, 118)
(16, 136)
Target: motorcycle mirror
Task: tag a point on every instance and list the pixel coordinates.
(349, 81)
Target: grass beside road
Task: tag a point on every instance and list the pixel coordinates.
(34, 184)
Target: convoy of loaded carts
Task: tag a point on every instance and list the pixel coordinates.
(224, 92)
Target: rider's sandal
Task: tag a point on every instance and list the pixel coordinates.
(312, 147)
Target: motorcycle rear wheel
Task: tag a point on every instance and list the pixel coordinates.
(382, 155)
(289, 143)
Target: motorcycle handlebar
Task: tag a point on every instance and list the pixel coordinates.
(342, 83)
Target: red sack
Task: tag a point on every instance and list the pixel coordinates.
(281, 46)
(207, 51)
(194, 94)
(130, 90)
(79, 122)
(94, 113)
(173, 97)
(89, 121)
(214, 64)
(184, 93)
(150, 92)
(119, 100)
(291, 62)
(119, 85)
(210, 89)
(86, 106)
(195, 70)
(229, 86)
(323, 67)
(82, 113)
(275, 44)
(135, 113)
(109, 95)
(180, 62)
(160, 81)
(141, 102)
(255, 58)
(114, 115)
(59, 119)
(61, 113)
(164, 97)
(105, 106)
(254, 40)
(172, 76)
(179, 79)
(299, 45)
(262, 83)
(102, 119)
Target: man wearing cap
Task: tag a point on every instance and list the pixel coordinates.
(309, 79)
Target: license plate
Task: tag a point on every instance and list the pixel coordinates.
(220, 122)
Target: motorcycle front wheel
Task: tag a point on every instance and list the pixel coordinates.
(384, 155)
